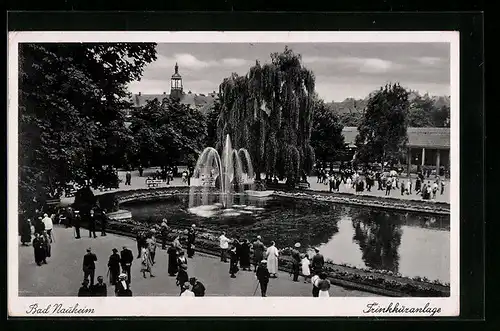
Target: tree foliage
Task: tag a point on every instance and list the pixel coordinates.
(269, 112)
(382, 135)
(168, 132)
(71, 98)
(326, 138)
(426, 112)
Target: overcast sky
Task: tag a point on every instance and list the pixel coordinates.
(342, 70)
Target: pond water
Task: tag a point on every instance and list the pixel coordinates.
(412, 244)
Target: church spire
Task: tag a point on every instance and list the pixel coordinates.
(176, 68)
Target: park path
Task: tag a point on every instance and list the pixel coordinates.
(62, 276)
(140, 183)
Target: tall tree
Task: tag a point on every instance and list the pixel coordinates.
(269, 112)
(167, 132)
(326, 138)
(382, 135)
(70, 112)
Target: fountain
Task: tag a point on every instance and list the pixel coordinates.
(227, 175)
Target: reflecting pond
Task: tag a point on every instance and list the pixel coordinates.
(412, 244)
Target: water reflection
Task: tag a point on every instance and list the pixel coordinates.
(378, 235)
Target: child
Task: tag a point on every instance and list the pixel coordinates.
(306, 269)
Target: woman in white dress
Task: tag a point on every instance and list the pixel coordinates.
(272, 260)
(306, 270)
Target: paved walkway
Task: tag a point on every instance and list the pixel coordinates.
(62, 276)
(140, 183)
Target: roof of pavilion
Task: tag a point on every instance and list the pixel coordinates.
(417, 137)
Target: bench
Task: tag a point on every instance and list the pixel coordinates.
(153, 182)
(303, 186)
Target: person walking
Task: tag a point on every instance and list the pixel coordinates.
(224, 246)
(318, 261)
(306, 267)
(49, 225)
(233, 262)
(151, 246)
(388, 186)
(39, 249)
(114, 267)
(258, 252)
(89, 260)
(77, 219)
(128, 178)
(126, 259)
(197, 287)
(26, 232)
(141, 170)
(262, 275)
(92, 221)
(296, 262)
(182, 276)
(315, 289)
(191, 238)
(272, 254)
(146, 263)
(141, 242)
(122, 288)
(100, 289)
(173, 267)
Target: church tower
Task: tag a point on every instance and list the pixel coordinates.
(176, 85)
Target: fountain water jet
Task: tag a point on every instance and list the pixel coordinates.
(228, 171)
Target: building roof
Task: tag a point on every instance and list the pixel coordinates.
(191, 99)
(417, 137)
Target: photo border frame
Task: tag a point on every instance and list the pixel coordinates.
(471, 80)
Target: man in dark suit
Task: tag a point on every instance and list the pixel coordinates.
(317, 262)
(126, 258)
(89, 266)
(114, 267)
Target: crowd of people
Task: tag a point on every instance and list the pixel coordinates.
(387, 181)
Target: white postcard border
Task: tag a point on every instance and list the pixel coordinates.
(229, 306)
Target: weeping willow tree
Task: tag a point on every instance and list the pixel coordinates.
(269, 112)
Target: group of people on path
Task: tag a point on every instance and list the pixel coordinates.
(265, 262)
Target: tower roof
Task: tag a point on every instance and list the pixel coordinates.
(176, 73)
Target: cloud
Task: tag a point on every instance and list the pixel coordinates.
(429, 60)
(233, 62)
(189, 62)
(364, 65)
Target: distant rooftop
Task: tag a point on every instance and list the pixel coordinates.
(192, 99)
(417, 137)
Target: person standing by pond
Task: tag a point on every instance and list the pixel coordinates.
(323, 286)
(296, 262)
(263, 275)
(258, 252)
(272, 254)
(92, 224)
(245, 255)
(76, 223)
(224, 246)
(164, 233)
(191, 238)
(306, 269)
(318, 262)
(233, 262)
